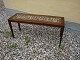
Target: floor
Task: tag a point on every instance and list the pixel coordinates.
(42, 41)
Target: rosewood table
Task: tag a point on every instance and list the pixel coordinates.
(55, 21)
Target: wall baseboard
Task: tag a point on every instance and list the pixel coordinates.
(11, 12)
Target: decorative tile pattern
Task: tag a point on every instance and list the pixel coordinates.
(40, 18)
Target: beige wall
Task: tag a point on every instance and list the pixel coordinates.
(70, 9)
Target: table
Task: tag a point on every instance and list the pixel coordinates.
(47, 20)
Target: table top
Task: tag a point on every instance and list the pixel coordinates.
(37, 18)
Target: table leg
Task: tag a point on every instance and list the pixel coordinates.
(61, 35)
(19, 26)
(11, 28)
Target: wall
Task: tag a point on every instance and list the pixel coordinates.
(70, 9)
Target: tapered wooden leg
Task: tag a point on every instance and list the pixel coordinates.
(11, 28)
(61, 35)
(19, 26)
